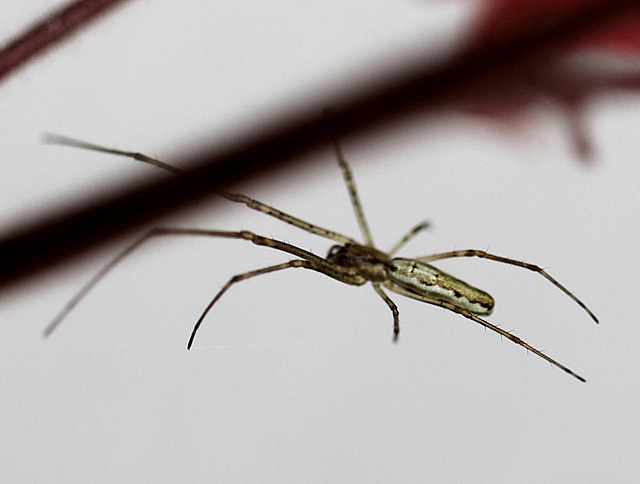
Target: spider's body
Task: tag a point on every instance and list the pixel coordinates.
(417, 277)
(349, 262)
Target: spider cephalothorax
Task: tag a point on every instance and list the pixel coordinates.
(368, 262)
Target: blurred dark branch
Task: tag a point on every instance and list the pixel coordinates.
(49, 31)
(419, 88)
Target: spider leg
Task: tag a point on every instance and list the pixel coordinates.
(320, 264)
(353, 193)
(451, 307)
(290, 219)
(247, 275)
(408, 236)
(57, 139)
(233, 197)
(393, 307)
(534, 268)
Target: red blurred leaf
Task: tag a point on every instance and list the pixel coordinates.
(500, 17)
(607, 60)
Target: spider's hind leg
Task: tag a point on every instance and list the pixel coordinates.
(505, 260)
(467, 314)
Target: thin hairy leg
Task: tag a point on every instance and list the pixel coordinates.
(353, 193)
(233, 197)
(291, 220)
(392, 306)
(75, 143)
(321, 264)
(242, 277)
(504, 260)
(408, 237)
(451, 307)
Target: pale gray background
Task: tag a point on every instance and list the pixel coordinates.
(294, 376)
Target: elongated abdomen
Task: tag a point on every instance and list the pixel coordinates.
(426, 280)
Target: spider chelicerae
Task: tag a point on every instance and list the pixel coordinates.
(348, 261)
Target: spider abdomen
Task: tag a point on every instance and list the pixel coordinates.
(426, 280)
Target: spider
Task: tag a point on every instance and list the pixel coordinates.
(348, 261)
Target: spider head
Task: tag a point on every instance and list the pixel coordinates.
(337, 254)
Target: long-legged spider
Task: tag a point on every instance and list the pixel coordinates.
(348, 261)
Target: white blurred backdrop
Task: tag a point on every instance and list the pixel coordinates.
(293, 376)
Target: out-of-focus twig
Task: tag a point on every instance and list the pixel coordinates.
(419, 88)
(49, 31)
